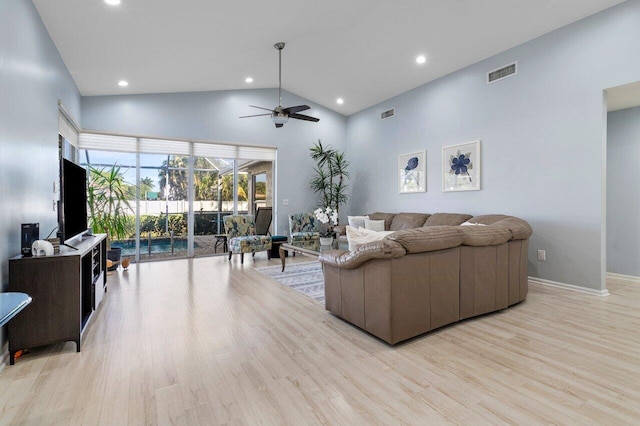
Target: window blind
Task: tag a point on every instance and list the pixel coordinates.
(107, 142)
(163, 146)
(66, 129)
(103, 142)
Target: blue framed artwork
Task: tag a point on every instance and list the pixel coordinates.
(461, 167)
(412, 172)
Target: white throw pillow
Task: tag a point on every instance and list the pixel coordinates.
(472, 224)
(358, 237)
(357, 221)
(374, 225)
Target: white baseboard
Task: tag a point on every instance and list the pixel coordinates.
(630, 278)
(571, 287)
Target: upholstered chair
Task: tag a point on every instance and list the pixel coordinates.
(242, 238)
(303, 226)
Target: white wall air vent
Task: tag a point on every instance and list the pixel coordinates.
(502, 72)
(388, 113)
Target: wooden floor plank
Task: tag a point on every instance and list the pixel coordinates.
(208, 341)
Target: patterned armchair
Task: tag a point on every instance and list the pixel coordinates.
(303, 226)
(242, 238)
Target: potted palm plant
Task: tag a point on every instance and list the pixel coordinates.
(108, 199)
(330, 176)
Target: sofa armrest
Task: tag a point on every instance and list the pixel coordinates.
(383, 249)
(520, 228)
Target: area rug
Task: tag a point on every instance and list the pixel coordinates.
(304, 277)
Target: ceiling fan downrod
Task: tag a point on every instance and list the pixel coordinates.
(279, 46)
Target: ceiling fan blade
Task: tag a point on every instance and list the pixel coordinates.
(278, 125)
(294, 109)
(266, 109)
(304, 117)
(256, 115)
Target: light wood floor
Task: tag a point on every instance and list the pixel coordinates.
(205, 341)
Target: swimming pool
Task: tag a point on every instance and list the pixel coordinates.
(158, 245)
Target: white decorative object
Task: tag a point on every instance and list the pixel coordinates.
(41, 248)
(461, 167)
(374, 225)
(412, 172)
(329, 218)
(357, 221)
(358, 237)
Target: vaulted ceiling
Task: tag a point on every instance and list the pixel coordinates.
(363, 51)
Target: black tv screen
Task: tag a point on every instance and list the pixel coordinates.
(73, 200)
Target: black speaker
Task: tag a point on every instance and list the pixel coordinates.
(30, 233)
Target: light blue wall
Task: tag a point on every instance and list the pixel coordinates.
(213, 116)
(32, 79)
(542, 135)
(623, 192)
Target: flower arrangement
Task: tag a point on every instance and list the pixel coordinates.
(329, 218)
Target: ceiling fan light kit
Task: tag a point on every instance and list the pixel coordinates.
(280, 115)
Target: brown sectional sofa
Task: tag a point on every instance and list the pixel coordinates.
(429, 273)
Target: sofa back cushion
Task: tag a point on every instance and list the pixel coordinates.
(431, 238)
(407, 221)
(451, 219)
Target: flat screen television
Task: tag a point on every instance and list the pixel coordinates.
(72, 214)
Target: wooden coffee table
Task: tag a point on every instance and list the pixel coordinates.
(307, 247)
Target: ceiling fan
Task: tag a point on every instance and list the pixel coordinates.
(281, 115)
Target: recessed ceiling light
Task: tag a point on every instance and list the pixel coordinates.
(340, 101)
(112, 2)
(123, 83)
(421, 59)
(248, 80)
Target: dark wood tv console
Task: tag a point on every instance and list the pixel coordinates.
(66, 288)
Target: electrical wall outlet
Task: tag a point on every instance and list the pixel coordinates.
(542, 255)
(285, 202)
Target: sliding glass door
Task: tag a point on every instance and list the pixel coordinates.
(178, 192)
(164, 206)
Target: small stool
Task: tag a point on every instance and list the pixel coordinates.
(276, 241)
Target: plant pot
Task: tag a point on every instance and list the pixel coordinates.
(326, 241)
(114, 254)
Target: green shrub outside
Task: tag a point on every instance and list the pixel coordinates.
(205, 224)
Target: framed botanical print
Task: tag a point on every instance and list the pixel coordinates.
(461, 167)
(412, 172)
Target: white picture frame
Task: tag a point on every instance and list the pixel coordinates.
(412, 172)
(461, 167)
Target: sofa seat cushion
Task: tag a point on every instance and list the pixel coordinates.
(520, 229)
(305, 236)
(485, 235)
(250, 243)
(431, 238)
(452, 219)
(407, 221)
